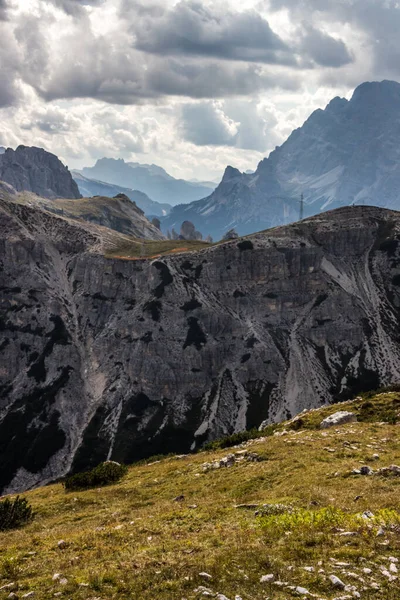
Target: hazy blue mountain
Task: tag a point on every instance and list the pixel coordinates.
(91, 187)
(150, 179)
(348, 153)
(2, 149)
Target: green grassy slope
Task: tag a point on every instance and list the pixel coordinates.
(137, 540)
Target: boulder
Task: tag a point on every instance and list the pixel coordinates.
(338, 418)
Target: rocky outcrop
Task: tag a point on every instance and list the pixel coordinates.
(346, 154)
(35, 170)
(119, 214)
(112, 359)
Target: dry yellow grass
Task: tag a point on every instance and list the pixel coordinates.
(134, 540)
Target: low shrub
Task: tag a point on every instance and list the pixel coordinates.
(104, 474)
(237, 438)
(15, 513)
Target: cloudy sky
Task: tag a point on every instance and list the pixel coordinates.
(191, 85)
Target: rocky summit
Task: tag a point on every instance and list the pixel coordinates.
(109, 358)
(35, 170)
(346, 154)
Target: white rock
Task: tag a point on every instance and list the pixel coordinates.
(204, 591)
(367, 571)
(205, 575)
(392, 559)
(375, 586)
(267, 578)
(336, 582)
(309, 569)
(339, 418)
(393, 568)
(28, 595)
(367, 514)
(7, 586)
(301, 590)
(62, 544)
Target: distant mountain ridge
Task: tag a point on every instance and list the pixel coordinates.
(36, 170)
(150, 179)
(346, 154)
(91, 187)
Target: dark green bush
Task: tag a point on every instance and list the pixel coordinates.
(238, 438)
(15, 513)
(104, 474)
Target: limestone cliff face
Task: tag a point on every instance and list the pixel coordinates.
(117, 359)
(35, 170)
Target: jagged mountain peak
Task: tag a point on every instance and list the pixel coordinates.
(343, 154)
(230, 173)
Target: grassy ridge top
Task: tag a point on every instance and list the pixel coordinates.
(151, 535)
(132, 249)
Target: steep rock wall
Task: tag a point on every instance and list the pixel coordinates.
(121, 359)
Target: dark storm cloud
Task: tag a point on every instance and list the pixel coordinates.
(74, 8)
(323, 48)
(377, 20)
(191, 50)
(190, 28)
(4, 6)
(213, 79)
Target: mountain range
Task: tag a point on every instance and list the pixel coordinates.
(346, 154)
(150, 179)
(91, 187)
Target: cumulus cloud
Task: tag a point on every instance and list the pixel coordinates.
(193, 28)
(244, 124)
(376, 22)
(324, 49)
(217, 81)
(206, 124)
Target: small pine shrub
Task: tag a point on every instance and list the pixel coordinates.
(104, 474)
(15, 513)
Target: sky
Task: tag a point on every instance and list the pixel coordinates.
(190, 85)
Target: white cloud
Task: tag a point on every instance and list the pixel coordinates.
(190, 85)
